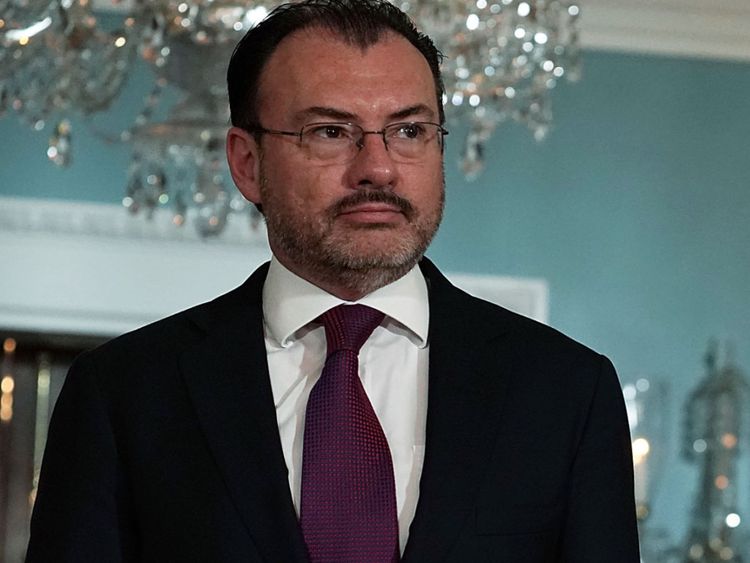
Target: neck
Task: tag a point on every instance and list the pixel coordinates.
(348, 284)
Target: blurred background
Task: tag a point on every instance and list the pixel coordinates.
(615, 207)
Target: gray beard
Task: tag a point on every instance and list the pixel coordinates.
(327, 260)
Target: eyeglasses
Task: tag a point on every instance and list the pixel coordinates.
(341, 142)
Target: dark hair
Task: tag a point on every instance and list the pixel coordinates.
(358, 22)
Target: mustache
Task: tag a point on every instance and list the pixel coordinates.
(373, 196)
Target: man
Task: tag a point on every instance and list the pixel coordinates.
(466, 433)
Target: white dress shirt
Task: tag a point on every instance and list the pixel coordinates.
(392, 367)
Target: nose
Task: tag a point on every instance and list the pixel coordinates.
(373, 166)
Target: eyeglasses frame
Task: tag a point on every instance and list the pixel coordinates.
(442, 131)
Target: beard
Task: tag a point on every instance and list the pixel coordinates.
(357, 258)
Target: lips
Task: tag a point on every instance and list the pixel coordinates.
(373, 204)
(372, 214)
(371, 208)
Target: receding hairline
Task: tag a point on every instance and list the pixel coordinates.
(333, 34)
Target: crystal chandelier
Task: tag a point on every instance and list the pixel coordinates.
(59, 57)
(501, 59)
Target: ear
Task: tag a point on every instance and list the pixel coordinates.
(243, 155)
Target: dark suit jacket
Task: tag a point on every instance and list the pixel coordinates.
(164, 445)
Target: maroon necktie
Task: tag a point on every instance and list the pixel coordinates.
(348, 508)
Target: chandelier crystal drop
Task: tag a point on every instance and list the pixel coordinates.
(62, 57)
(501, 59)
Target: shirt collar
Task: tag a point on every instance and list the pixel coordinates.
(291, 302)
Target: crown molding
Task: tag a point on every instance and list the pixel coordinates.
(679, 28)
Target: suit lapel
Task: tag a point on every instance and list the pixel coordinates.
(463, 405)
(227, 377)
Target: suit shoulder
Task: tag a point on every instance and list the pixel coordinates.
(547, 358)
(455, 309)
(529, 334)
(175, 333)
(165, 332)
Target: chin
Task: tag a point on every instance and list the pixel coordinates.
(378, 253)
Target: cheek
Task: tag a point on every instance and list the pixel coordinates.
(308, 190)
(424, 186)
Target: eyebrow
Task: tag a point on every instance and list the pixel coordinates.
(334, 113)
(323, 111)
(410, 111)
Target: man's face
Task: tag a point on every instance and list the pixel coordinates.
(373, 216)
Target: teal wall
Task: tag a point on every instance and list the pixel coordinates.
(636, 209)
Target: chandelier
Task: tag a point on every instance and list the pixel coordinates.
(60, 57)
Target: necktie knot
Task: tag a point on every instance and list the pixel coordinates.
(349, 326)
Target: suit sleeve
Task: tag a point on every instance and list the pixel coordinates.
(601, 524)
(81, 514)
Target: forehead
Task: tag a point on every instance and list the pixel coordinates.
(314, 68)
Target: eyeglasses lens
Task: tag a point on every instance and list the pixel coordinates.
(340, 142)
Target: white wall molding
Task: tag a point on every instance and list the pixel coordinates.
(91, 269)
(71, 218)
(84, 268)
(716, 29)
